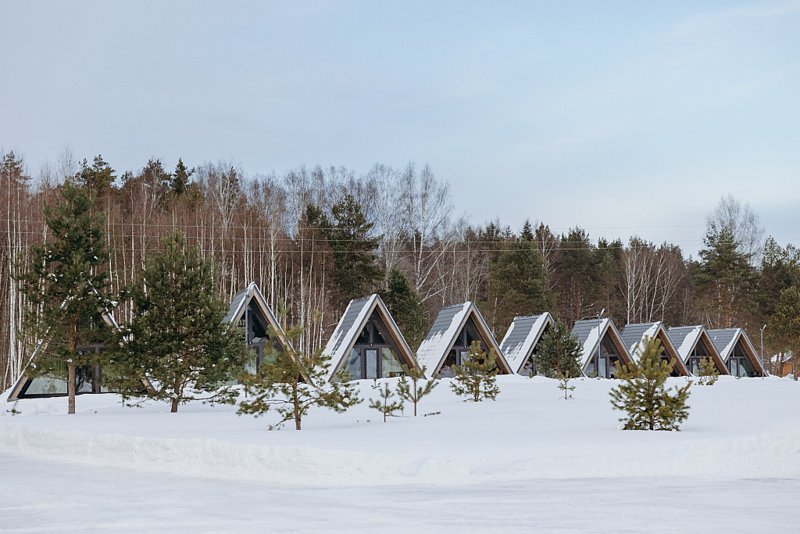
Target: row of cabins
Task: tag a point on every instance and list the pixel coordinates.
(368, 344)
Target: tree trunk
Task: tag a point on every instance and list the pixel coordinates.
(71, 387)
(174, 407)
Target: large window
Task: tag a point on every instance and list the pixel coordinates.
(88, 379)
(374, 354)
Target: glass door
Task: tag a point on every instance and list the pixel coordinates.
(372, 363)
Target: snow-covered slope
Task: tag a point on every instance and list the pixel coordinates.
(528, 462)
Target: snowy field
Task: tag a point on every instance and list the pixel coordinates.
(528, 462)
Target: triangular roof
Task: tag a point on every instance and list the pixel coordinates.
(242, 300)
(726, 339)
(521, 338)
(351, 324)
(591, 332)
(446, 328)
(635, 336)
(686, 338)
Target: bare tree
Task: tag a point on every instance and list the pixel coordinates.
(743, 222)
(427, 208)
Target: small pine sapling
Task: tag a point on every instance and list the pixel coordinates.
(708, 372)
(385, 403)
(409, 388)
(292, 383)
(564, 385)
(475, 378)
(642, 395)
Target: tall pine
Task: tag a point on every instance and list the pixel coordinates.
(177, 337)
(355, 270)
(67, 286)
(406, 307)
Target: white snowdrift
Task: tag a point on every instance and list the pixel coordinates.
(737, 429)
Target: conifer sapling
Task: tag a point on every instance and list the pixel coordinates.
(409, 389)
(475, 378)
(292, 383)
(642, 395)
(385, 403)
(708, 372)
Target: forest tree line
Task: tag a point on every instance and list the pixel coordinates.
(314, 238)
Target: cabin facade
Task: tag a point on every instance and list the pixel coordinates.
(367, 344)
(635, 337)
(520, 342)
(262, 330)
(603, 348)
(738, 352)
(88, 378)
(447, 343)
(693, 344)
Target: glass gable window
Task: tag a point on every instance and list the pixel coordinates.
(374, 354)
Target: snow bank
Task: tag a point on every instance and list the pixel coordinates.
(737, 429)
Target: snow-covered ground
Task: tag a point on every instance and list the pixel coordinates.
(528, 461)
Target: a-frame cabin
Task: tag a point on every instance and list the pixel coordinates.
(262, 330)
(519, 343)
(738, 352)
(448, 340)
(635, 337)
(693, 344)
(603, 348)
(88, 378)
(367, 343)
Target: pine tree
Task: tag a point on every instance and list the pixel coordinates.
(707, 372)
(292, 383)
(726, 277)
(98, 178)
(563, 385)
(406, 307)
(67, 284)
(385, 403)
(180, 178)
(476, 377)
(786, 323)
(558, 353)
(517, 284)
(409, 389)
(355, 271)
(642, 395)
(177, 337)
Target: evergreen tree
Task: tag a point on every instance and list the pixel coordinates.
(177, 337)
(577, 276)
(406, 307)
(708, 372)
(563, 385)
(558, 353)
(180, 178)
(517, 282)
(385, 403)
(355, 271)
(67, 285)
(642, 395)
(786, 323)
(292, 383)
(98, 177)
(726, 278)
(12, 173)
(409, 389)
(476, 377)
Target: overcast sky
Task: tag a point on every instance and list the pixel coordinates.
(621, 117)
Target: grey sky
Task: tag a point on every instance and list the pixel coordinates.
(622, 117)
